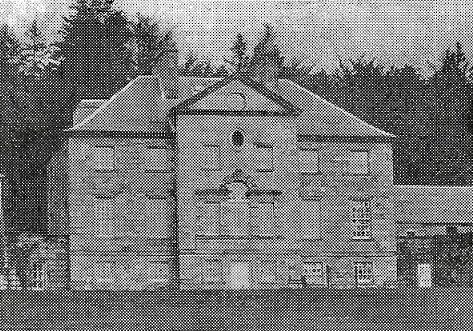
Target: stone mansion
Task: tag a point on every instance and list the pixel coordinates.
(234, 183)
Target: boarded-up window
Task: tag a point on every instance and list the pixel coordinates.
(309, 161)
(104, 216)
(211, 271)
(157, 220)
(209, 219)
(158, 272)
(264, 158)
(361, 219)
(310, 219)
(103, 272)
(239, 275)
(156, 159)
(358, 163)
(104, 158)
(236, 215)
(264, 219)
(267, 272)
(364, 273)
(315, 273)
(211, 157)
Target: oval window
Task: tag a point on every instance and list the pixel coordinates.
(237, 138)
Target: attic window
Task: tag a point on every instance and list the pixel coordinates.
(237, 138)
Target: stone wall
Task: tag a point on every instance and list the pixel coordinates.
(287, 248)
(131, 245)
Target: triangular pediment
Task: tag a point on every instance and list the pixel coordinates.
(235, 95)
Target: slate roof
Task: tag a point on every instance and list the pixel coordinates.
(322, 118)
(138, 107)
(433, 204)
(141, 107)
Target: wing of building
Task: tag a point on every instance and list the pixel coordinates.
(225, 183)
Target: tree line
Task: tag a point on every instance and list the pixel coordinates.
(101, 49)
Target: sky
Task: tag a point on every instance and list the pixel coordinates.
(395, 32)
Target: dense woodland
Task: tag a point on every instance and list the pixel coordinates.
(100, 49)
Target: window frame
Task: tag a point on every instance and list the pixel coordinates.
(348, 170)
(207, 278)
(305, 171)
(259, 149)
(165, 166)
(324, 277)
(98, 165)
(272, 272)
(39, 275)
(110, 218)
(163, 214)
(152, 279)
(202, 210)
(365, 281)
(205, 166)
(258, 220)
(229, 224)
(305, 236)
(363, 221)
(111, 274)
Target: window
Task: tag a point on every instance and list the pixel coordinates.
(361, 218)
(267, 272)
(310, 219)
(236, 217)
(209, 219)
(211, 157)
(156, 159)
(309, 161)
(158, 272)
(104, 272)
(39, 276)
(264, 158)
(104, 158)
(212, 271)
(364, 273)
(358, 163)
(237, 139)
(157, 220)
(103, 210)
(264, 219)
(315, 273)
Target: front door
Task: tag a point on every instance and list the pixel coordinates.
(239, 275)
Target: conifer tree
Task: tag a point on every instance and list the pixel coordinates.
(240, 58)
(95, 49)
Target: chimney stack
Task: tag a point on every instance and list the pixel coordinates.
(165, 67)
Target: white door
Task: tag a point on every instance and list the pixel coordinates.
(424, 275)
(239, 275)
